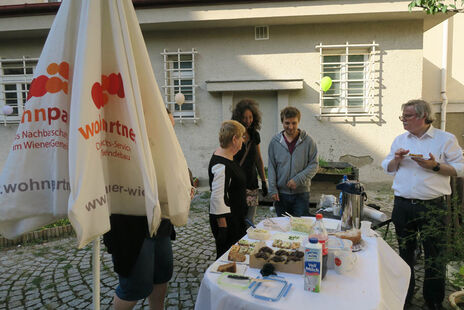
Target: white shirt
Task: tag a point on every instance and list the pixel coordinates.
(414, 182)
(217, 204)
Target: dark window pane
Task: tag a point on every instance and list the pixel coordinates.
(355, 58)
(331, 102)
(355, 88)
(355, 103)
(10, 87)
(334, 58)
(13, 68)
(185, 107)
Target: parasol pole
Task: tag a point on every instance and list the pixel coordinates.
(96, 273)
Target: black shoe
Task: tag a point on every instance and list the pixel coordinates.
(439, 306)
(432, 305)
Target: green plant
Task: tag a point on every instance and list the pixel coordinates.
(450, 239)
(456, 275)
(455, 243)
(37, 281)
(62, 222)
(437, 6)
(323, 163)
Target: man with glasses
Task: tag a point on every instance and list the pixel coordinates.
(422, 161)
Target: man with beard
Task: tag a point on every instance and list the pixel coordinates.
(292, 163)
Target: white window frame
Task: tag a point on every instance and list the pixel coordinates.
(173, 79)
(370, 80)
(21, 82)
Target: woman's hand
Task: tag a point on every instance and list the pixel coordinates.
(264, 188)
(222, 222)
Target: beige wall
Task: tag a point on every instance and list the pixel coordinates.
(454, 124)
(433, 44)
(433, 39)
(233, 54)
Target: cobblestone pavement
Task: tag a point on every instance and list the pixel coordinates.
(56, 275)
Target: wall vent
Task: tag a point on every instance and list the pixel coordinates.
(262, 33)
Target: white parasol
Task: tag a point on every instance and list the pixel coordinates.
(94, 138)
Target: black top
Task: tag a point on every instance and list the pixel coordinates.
(235, 185)
(249, 165)
(126, 237)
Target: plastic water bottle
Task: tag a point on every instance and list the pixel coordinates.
(312, 266)
(322, 236)
(340, 197)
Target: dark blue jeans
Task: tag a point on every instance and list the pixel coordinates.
(295, 204)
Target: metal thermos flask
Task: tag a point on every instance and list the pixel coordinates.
(353, 197)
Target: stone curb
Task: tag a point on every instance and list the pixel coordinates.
(44, 234)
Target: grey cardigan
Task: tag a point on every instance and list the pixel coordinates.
(300, 166)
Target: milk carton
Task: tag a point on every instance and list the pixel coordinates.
(312, 266)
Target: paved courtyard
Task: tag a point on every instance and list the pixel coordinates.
(56, 275)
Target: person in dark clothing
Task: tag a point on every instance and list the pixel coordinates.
(228, 189)
(249, 157)
(144, 264)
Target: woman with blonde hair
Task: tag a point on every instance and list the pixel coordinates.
(227, 181)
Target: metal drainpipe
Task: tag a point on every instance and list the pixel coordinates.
(444, 65)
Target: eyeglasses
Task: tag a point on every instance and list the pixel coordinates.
(406, 117)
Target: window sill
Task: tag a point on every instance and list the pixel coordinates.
(182, 120)
(345, 115)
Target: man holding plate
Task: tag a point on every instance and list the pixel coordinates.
(422, 161)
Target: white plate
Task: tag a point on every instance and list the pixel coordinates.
(241, 268)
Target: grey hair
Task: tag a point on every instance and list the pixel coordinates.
(422, 109)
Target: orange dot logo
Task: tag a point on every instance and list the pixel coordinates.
(43, 84)
(110, 84)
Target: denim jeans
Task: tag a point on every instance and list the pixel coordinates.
(295, 204)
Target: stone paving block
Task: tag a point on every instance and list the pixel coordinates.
(172, 301)
(173, 295)
(33, 302)
(16, 304)
(15, 298)
(67, 299)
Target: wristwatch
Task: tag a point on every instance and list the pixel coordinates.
(437, 167)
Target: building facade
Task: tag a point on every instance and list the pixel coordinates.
(377, 53)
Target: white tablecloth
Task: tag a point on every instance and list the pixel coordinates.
(379, 280)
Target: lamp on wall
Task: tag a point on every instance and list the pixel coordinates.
(179, 98)
(6, 110)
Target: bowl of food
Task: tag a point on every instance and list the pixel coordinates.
(302, 224)
(258, 233)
